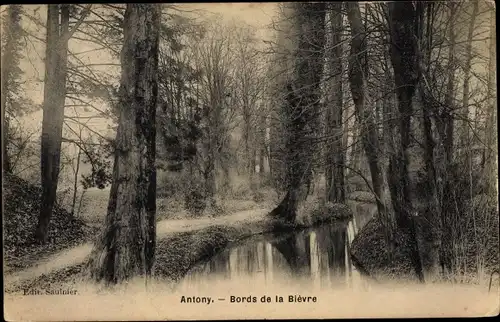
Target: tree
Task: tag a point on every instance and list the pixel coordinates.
(65, 85)
(432, 255)
(335, 158)
(214, 58)
(358, 73)
(53, 111)
(301, 102)
(11, 54)
(447, 127)
(488, 157)
(465, 133)
(127, 246)
(248, 88)
(403, 26)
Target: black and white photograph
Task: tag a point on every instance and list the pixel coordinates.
(249, 160)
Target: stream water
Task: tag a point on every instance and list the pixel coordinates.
(314, 258)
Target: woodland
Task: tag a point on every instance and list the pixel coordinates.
(158, 110)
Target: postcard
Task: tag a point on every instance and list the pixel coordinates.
(200, 161)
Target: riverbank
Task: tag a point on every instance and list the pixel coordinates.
(181, 244)
(480, 257)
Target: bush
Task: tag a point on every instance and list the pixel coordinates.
(242, 190)
(216, 208)
(169, 184)
(362, 196)
(258, 196)
(476, 239)
(195, 199)
(316, 210)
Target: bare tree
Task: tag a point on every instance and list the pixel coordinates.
(358, 73)
(10, 73)
(402, 26)
(248, 88)
(488, 158)
(465, 133)
(335, 158)
(214, 58)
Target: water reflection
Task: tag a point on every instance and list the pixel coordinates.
(316, 258)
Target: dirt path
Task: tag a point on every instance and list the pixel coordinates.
(78, 254)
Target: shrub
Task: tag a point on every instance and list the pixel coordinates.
(195, 199)
(316, 210)
(258, 196)
(169, 184)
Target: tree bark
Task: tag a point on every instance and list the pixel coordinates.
(53, 112)
(489, 159)
(444, 159)
(430, 195)
(301, 106)
(75, 181)
(402, 26)
(12, 32)
(127, 246)
(467, 68)
(335, 158)
(358, 71)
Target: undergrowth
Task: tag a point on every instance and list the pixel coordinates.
(20, 217)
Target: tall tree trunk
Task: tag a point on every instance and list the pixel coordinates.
(430, 196)
(447, 115)
(335, 157)
(53, 112)
(75, 181)
(489, 159)
(358, 71)
(127, 246)
(11, 31)
(276, 146)
(467, 68)
(253, 159)
(356, 149)
(210, 183)
(402, 25)
(302, 103)
(425, 202)
(246, 137)
(262, 144)
(444, 150)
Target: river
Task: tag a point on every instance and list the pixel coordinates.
(315, 258)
